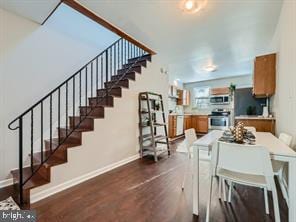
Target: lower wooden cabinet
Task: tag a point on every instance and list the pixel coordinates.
(172, 126)
(187, 122)
(261, 125)
(200, 123)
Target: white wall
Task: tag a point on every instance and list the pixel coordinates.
(284, 103)
(34, 60)
(115, 138)
(239, 81)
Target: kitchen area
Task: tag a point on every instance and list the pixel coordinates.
(219, 104)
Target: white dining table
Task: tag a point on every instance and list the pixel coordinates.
(277, 149)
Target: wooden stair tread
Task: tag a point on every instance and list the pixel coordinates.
(53, 160)
(76, 130)
(68, 142)
(129, 76)
(97, 106)
(145, 57)
(35, 181)
(142, 62)
(117, 81)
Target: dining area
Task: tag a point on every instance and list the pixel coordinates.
(246, 159)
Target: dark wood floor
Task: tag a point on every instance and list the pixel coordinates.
(151, 192)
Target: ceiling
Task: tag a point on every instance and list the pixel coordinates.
(227, 33)
(35, 10)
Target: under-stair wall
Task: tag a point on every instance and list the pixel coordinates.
(114, 140)
(34, 59)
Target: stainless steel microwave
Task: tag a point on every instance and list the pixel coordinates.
(219, 100)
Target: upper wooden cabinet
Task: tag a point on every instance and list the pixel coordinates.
(220, 91)
(264, 75)
(183, 97)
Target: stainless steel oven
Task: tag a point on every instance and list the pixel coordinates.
(218, 122)
(219, 119)
(220, 100)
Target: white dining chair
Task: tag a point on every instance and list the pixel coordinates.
(279, 168)
(190, 138)
(248, 165)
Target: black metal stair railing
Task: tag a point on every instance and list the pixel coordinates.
(54, 109)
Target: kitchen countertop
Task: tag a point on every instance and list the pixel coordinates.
(188, 114)
(255, 117)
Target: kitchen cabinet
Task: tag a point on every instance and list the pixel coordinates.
(172, 126)
(200, 123)
(187, 122)
(220, 91)
(261, 124)
(264, 75)
(183, 97)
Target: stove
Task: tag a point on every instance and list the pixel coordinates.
(219, 119)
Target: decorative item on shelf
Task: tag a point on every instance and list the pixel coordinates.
(144, 110)
(146, 122)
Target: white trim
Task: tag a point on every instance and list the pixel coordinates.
(5, 183)
(52, 190)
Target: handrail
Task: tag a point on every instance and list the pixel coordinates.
(59, 86)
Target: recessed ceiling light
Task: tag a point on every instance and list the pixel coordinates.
(189, 4)
(192, 6)
(210, 68)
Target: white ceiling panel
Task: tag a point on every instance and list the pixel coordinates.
(35, 10)
(227, 33)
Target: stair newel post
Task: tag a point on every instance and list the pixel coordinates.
(21, 160)
(107, 72)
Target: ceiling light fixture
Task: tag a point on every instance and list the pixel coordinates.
(192, 6)
(210, 68)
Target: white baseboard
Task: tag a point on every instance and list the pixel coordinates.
(52, 190)
(5, 183)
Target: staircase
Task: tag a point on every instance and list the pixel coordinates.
(68, 111)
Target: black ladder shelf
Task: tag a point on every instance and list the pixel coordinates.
(152, 143)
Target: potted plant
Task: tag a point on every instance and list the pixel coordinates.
(232, 88)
